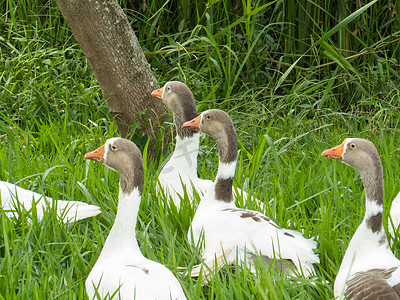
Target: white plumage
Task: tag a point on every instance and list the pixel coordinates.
(365, 252)
(179, 174)
(231, 234)
(234, 234)
(394, 220)
(369, 269)
(121, 269)
(15, 198)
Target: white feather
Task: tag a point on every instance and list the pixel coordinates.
(365, 252)
(179, 174)
(15, 198)
(122, 269)
(223, 227)
(394, 222)
(226, 171)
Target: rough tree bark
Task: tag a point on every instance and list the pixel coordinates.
(103, 32)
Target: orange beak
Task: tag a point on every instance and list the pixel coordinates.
(335, 152)
(96, 155)
(193, 124)
(158, 93)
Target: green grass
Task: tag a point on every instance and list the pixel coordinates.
(52, 112)
(279, 156)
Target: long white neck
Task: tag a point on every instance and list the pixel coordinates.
(226, 170)
(123, 233)
(227, 150)
(371, 229)
(365, 246)
(369, 241)
(221, 190)
(185, 154)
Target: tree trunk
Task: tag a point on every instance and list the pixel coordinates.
(102, 30)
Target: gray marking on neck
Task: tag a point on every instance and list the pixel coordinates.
(383, 240)
(223, 190)
(227, 145)
(179, 119)
(375, 222)
(373, 183)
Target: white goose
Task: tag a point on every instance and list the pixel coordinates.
(180, 172)
(369, 270)
(121, 268)
(15, 198)
(394, 222)
(235, 234)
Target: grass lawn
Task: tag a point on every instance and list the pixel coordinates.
(52, 113)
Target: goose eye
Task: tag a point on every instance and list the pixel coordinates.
(114, 148)
(168, 89)
(208, 117)
(353, 146)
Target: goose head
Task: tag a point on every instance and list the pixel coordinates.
(178, 97)
(214, 122)
(218, 125)
(363, 156)
(124, 157)
(358, 153)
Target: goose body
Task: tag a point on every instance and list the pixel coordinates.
(394, 222)
(180, 172)
(369, 270)
(233, 234)
(179, 175)
(15, 198)
(121, 269)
